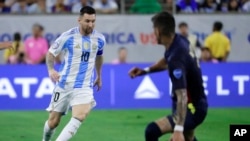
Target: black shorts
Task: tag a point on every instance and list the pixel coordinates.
(194, 117)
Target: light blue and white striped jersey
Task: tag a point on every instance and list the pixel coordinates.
(79, 52)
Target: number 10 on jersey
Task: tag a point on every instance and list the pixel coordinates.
(85, 56)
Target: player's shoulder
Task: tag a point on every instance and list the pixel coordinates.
(71, 31)
(182, 44)
(99, 35)
(180, 48)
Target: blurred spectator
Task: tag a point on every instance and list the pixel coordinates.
(169, 5)
(49, 5)
(76, 8)
(20, 7)
(60, 7)
(36, 46)
(15, 55)
(206, 56)
(246, 6)
(105, 6)
(209, 6)
(218, 43)
(194, 42)
(70, 3)
(223, 6)
(3, 7)
(233, 6)
(145, 7)
(38, 7)
(122, 56)
(187, 6)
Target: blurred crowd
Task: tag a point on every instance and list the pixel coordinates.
(211, 6)
(127, 6)
(55, 6)
(32, 51)
(215, 49)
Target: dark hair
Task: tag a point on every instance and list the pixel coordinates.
(39, 26)
(217, 26)
(87, 10)
(2, 1)
(183, 24)
(165, 22)
(122, 48)
(205, 49)
(17, 36)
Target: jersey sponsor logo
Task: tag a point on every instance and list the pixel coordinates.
(147, 90)
(177, 73)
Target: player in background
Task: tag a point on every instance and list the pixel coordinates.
(82, 48)
(189, 100)
(5, 45)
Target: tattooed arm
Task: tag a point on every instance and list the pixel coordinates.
(181, 106)
(53, 74)
(50, 58)
(178, 77)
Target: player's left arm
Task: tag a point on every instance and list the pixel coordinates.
(99, 62)
(178, 78)
(99, 56)
(98, 65)
(181, 106)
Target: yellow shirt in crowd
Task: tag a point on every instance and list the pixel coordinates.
(218, 43)
(10, 52)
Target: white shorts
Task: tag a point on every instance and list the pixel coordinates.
(63, 99)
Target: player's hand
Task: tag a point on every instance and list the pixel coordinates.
(134, 72)
(177, 136)
(54, 76)
(98, 83)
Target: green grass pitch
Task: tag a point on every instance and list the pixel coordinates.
(116, 125)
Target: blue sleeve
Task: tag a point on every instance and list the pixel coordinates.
(101, 44)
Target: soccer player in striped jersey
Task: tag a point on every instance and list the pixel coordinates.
(82, 48)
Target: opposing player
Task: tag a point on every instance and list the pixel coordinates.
(82, 48)
(5, 45)
(189, 101)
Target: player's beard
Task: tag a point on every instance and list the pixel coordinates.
(158, 38)
(88, 31)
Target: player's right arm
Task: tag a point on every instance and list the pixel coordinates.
(161, 65)
(53, 74)
(53, 52)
